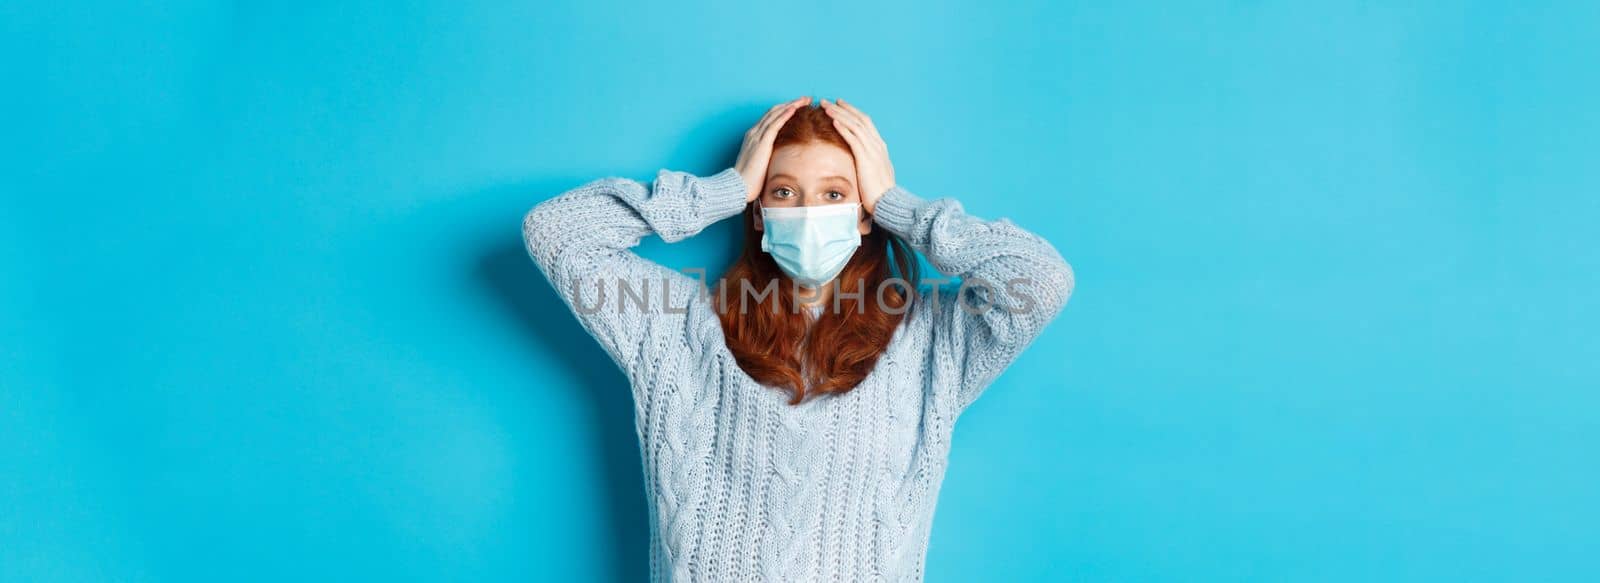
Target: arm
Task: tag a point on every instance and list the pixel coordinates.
(987, 328)
(984, 328)
(582, 240)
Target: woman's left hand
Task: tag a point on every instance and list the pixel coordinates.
(874, 173)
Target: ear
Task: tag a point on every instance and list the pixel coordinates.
(755, 212)
(865, 226)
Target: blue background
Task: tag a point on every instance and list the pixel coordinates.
(265, 313)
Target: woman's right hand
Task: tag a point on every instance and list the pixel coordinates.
(756, 152)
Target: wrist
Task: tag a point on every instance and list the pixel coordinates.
(870, 202)
(752, 186)
(897, 209)
(724, 194)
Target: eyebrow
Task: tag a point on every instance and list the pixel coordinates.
(786, 176)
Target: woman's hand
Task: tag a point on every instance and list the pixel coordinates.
(874, 174)
(756, 152)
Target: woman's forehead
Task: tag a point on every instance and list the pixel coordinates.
(814, 160)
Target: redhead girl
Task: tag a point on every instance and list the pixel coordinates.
(795, 417)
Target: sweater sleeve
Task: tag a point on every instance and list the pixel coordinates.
(1013, 283)
(582, 240)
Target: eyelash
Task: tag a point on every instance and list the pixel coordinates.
(836, 195)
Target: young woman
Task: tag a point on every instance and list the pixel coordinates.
(795, 419)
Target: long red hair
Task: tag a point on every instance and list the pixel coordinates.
(768, 337)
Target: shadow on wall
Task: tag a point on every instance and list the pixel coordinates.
(515, 282)
(530, 301)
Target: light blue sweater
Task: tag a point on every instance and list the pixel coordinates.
(742, 485)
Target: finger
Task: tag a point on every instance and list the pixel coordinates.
(835, 111)
(857, 146)
(865, 144)
(766, 118)
(854, 120)
(760, 126)
(771, 133)
(864, 125)
(863, 115)
(836, 107)
(753, 137)
(782, 108)
(866, 135)
(776, 109)
(864, 160)
(839, 114)
(775, 116)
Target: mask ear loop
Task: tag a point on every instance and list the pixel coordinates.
(758, 220)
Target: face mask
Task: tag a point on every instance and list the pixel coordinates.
(811, 243)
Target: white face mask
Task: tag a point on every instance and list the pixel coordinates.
(811, 243)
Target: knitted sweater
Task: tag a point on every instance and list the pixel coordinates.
(742, 485)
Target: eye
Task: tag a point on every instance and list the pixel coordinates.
(782, 192)
(835, 195)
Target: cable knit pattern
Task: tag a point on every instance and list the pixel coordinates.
(743, 486)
